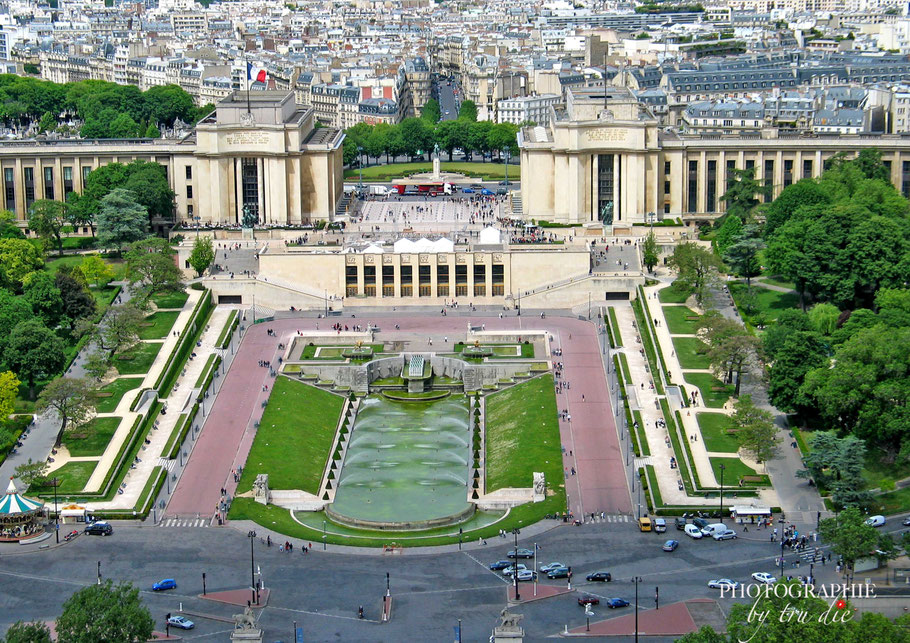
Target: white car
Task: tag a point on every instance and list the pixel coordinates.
(551, 566)
(508, 571)
(729, 534)
(723, 583)
(693, 532)
(526, 574)
(875, 521)
(764, 578)
(181, 622)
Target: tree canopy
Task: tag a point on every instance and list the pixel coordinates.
(121, 219)
(105, 612)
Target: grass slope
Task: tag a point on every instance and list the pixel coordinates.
(714, 432)
(117, 388)
(679, 320)
(692, 352)
(138, 360)
(714, 393)
(399, 170)
(91, 438)
(158, 325)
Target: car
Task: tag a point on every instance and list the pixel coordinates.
(693, 532)
(467, 190)
(550, 566)
(587, 599)
(722, 583)
(559, 572)
(182, 622)
(447, 112)
(660, 525)
(477, 186)
(613, 603)
(875, 521)
(701, 523)
(599, 577)
(671, 545)
(500, 565)
(502, 192)
(764, 578)
(526, 574)
(906, 522)
(728, 534)
(506, 182)
(99, 529)
(508, 571)
(520, 553)
(167, 583)
(486, 192)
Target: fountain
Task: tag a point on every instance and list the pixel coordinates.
(477, 351)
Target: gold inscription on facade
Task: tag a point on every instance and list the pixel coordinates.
(250, 137)
(607, 134)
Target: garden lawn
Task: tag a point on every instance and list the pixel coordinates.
(768, 302)
(399, 170)
(117, 388)
(707, 384)
(691, 352)
(170, 299)
(878, 471)
(774, 281)
(138, 360)
(158, 325)
(714, 432)
(333, 352)
(295, 437)
(73, 477)
(92, 437)
(735, 469)
(893, 502)
(681, 320)
(673, 295)
(522, 435)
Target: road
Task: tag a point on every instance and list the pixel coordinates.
(448, 104)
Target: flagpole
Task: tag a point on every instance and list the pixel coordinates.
(248, 110)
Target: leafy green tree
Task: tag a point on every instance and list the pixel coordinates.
(43, 295)
(431, 112)
(80, 210)
(798, 353)
(148, 181)
(46, 218)
(650, 252)
(733, 355)
(121, 220)
(13, 310)
(77, 301)
(869, 162)
(728, 233)
(18, 258)
(152, 131)
(823, 318)
(96, 365)
(743, 255)
(706, 634)
(96, 270)
(48, 123)
(34, 353)
(755, 429)
(349, 151)
(836, 464)
(123, 126)
(445, 136)
(105, 612)
(478, 136)
(789, 321)
(8, 227)
(203, 255)
(9, 389)
(168, 103)
(850, 537)
(31, 472)
(150, 264)
(696, 268)
(416, 136)
(22, 632)
(743, 192)
(119, 328)
(468, 111)
(805, 192)
(71, 398)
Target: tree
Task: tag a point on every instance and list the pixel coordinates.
(743, 192)
(755, 429)
(850, 537)
(48, 123)
(148, 181)
(431, 112)
(22, 632)
(71, 398)
(119, 328)
(12, 311)
(8, 227)
(121, 219)
(797, 353)
(203, 255)
(96, 270)
(18, 258)
(468, 111)
(152, 131)
(31, 472)
(805, 192)
(732, 355)
(40, 291)
(728, 233)
(96, 365)
(9, 389)
(742, 254)
(696, 268)
(650, 252)
(123, 126)
(34, 352)
(416, 136)
(77, 301)
(150, 263)
(836, 464)
(105, 612)
(823, 318)
(81, 210)
(168, 103)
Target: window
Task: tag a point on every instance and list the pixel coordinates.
(48, 183)
(788, 173)
(711, 187)
(350, 281)
(905, 178)
(9, 186)
(442, 280)
(480, 280)
(693, 186)
(769, 177)
(461, 281)
(189, 211)
(369, 281)
(189, 191)
(28, 174)
(86, 170)
(425, 287)
(407, 281)
(731, 165)
(67, 180)
(189, 172)
(250, 185)
(498, 275)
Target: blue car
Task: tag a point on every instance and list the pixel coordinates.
(613, 603)
(167, 583)
(486, 192)
(468, 190)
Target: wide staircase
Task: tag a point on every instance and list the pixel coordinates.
(341, 210)
(516, 203)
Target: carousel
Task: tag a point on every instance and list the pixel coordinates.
(20, 517)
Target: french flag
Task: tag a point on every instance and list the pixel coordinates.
(256, 74)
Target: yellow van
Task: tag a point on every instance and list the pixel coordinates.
(644, 524)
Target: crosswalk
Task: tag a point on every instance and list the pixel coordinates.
(166, 463)
(184, 522)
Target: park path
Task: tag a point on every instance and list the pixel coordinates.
(225, 439)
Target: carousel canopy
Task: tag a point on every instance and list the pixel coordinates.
(12, 503)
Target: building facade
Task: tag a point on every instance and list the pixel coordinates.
(260, 152)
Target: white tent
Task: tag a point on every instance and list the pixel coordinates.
(424, 245)
(490, 236)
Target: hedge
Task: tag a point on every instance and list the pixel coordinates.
(135, 403)
(648, 345)
(178, 434)
(208, 372)
(227, 332)
(609, 332)
(614, 324)
(188, 338)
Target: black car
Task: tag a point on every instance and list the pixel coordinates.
(587, 599)
(599, 577)
(681, 523)
(559, 572)
(500, 565)
(99, 529)
(521, 553)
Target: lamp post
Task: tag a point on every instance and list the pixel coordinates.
(360, 158)
(515, 533)
(99, 572)
(781, 555)
(326, 295)
(722, 469)
(323, 535)
(636, 580)
(56, 483)
(252, 568)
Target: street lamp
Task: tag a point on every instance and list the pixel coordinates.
(252, 535)
(360, 158)
(781, 555)
(636, 580)
(99, 572)
(722, 469)
(56, 483)
(323, 535)
(515, 533)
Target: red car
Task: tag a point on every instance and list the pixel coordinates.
(587, 599)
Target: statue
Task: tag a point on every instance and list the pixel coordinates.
(261, 488)
(245, 621)
(250, 218)
(606, 213)
(509, 621)
(436, 161)
(540, 486)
